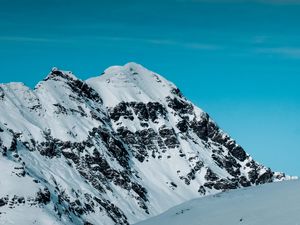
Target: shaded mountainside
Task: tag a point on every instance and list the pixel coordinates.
(275, 204)
(115, 149)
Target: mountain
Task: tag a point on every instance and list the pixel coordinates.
(276, 204)
(114, 149)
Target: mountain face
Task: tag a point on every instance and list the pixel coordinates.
(114, 149)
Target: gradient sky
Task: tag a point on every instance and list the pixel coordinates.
(238, 60)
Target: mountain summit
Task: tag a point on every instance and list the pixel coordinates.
(131, 82)
(115, 149)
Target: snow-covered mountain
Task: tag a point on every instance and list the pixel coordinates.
(274, 204)
(114, 149)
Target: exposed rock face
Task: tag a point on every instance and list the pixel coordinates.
(115, 149)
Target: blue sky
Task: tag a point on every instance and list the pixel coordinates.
(239, 60)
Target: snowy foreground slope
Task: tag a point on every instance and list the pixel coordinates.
(115, 149)
(272, 204)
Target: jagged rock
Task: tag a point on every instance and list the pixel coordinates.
(3, 201)
(202, 190)
(223, 184)
(2, 94)
(239, 153)
(43, 196)
(156, 110)
(183, 125)
(265, 177)
(121, 110)
(210, 175)
(141, 111)
(180, 106)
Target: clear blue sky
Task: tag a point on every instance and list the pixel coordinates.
(238, 60)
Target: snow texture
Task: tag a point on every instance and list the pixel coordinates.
(274, 204)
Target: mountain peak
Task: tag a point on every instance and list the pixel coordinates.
(130, 68)
(131, 82)
(14, 85)
(56, 72)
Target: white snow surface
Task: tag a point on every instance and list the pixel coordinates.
(131, 82)
(273, 204)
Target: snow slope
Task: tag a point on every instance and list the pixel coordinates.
(131, 83)
(274, 204)
(115, 149)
